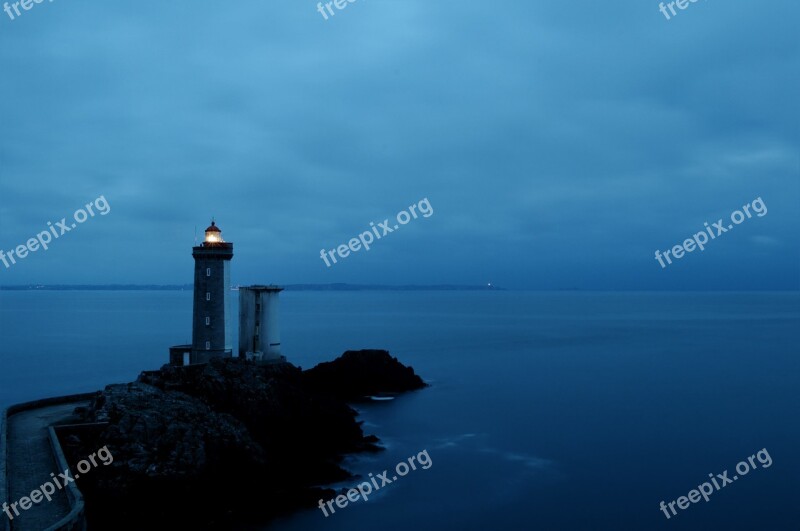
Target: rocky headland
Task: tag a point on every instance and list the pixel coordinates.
(229, 442)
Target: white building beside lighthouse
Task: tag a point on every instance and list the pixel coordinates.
(259, 332)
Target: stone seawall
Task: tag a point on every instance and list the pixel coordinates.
(5, 524)
(76, 520)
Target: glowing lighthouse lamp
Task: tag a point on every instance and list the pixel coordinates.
(213, 234)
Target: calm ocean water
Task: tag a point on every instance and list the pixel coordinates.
(547, 410)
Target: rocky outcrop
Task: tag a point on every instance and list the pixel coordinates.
(362, 373)
(213, 445)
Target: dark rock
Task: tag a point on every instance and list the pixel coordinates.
(213, 445)
(361, 373)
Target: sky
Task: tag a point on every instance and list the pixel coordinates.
(559, 144)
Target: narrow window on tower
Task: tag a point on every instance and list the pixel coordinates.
(208, 345)
(208, 271)
(208, 321)
(208, 295)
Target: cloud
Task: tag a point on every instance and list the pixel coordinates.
(560, 145)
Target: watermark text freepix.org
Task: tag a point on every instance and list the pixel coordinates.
(24, 4)
(706, 489)
(60, 228)
(700, 239)
(365, 489)
(340, 4)
(366, 238)
(47, 490)
(682, 4)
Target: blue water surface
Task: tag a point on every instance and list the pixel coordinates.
(549, 411)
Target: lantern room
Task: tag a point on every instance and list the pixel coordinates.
(213, 234)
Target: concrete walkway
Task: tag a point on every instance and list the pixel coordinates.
(30, 463)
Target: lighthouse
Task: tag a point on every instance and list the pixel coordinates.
(212, 326)
(212, 335)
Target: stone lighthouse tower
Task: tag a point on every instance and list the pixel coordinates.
(212, 335)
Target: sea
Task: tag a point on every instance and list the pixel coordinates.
(545, 411)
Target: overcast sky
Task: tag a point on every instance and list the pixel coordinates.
(559, 143)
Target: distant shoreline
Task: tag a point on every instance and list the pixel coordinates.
(287, 287)
(369, 287)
